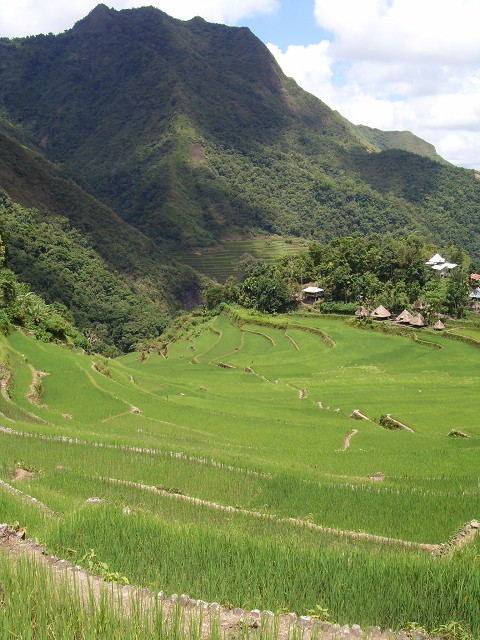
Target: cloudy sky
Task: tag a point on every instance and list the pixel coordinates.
(391, 64)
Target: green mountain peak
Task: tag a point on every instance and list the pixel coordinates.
(178, 133)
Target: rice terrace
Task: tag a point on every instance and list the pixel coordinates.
(245, 464)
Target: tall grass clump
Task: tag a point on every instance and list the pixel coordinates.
(38, 604)
(374, 586)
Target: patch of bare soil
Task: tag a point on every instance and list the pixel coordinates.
(5, 377)
(198, 155)
(377, 477)
(21, 474)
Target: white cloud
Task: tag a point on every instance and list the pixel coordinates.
(311, 66)
(405, 65)
(29, 17)
(403, 29)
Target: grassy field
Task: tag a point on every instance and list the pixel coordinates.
(250, 417)
(220, 262)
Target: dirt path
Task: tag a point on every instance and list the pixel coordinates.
(346, 442)
(35, 392)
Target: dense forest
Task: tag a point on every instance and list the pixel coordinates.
(113, 310)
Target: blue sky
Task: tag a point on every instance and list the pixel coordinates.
(391, 64)
(293, 23)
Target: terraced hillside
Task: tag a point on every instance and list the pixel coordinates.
(227, 466)
(222, 261)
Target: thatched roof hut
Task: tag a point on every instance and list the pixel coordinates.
(418, 305)
(438, 326)
(380, 313)
(405, 317)
(362, 312)
(418, 321)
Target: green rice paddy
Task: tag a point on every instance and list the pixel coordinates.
(250, 417)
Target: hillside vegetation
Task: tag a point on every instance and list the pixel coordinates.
(117, 284)
(190, 131)
(404, 140)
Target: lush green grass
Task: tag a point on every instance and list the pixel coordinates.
(272, 572)
(244, 437)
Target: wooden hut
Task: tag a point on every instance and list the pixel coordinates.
(418, 321)
(419, 305)
(311, 293)
(405, 317)
(475, 299)
(380, 313)
(438, 326)
(362, 312)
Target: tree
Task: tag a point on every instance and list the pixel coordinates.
(434, 296)
(228, 292)
(267, 293)
(457, 293)
(214, 296)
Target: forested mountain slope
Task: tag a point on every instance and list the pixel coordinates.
(116, 283)
(190, 131)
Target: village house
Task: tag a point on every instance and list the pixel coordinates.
(440, 265)
(311, 294)
(474, 298)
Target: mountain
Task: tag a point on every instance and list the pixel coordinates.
(404, 140)
(190, 131)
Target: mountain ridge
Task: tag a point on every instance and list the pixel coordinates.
(190, 132)
(401, 140)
